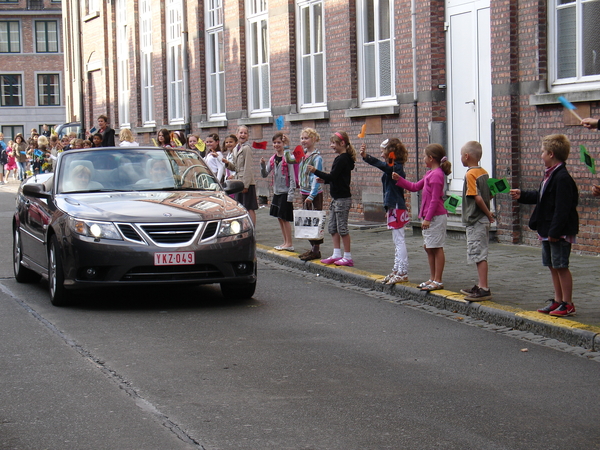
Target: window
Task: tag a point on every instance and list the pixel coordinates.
(575, 42)
(215, 57)
(10, 131)
(48, 90)
(46, 36)
(9, 1)
(258, 57)
(10, 37)
(147, 86)
(11, 90)
(375, 51)
(92, 7)
(123, 63)
(311, 54)
(175, 84)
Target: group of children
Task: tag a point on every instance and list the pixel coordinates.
(555, 215)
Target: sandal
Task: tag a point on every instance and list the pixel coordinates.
(425, 283)
(398, 278)
(433, 286)
(388, 278)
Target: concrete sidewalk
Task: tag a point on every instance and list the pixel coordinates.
(518, 281)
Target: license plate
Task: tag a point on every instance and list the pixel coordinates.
(174, 258)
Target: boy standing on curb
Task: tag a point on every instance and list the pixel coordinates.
(556, 220)
(477, 217)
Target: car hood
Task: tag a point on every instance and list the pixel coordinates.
(154, 206)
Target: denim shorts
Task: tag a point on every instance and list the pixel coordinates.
(556, 254)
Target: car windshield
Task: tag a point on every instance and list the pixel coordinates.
(138, 169)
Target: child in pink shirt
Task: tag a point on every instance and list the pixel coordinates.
(432, 212)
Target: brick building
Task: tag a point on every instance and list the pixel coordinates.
(444, 71)
(31, 66)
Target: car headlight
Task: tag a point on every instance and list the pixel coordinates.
(94, 229)
(237, 225)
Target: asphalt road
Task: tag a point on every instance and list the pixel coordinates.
(307, 364)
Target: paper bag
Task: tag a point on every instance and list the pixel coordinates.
(309, 224)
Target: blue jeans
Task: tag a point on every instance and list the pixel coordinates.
(21, 167)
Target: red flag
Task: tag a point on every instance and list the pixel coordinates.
(298, 153)
(261, 145)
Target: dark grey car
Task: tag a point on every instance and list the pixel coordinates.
(130, 216)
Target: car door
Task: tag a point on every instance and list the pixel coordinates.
(35, 216)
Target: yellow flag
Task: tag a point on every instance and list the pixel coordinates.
(200, 145)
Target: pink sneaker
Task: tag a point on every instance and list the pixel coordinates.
(344, 262)
(330, 260)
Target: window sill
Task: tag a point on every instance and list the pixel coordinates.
(267, 120)
(375, 111)
(573, 97)
(91, 15)
(213, 123)
(299, 117)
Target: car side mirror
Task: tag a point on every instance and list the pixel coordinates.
(36, 190)
(233, 187)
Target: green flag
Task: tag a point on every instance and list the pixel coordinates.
(498, 186)
(452, 202)
(586, 158)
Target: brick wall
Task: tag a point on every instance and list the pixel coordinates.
(519, 68)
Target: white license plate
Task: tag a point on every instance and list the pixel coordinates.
(174, 258)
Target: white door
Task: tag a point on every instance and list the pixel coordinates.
(469, 83)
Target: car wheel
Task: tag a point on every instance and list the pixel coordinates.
(238, 291)
(22, 274)
(59, 296)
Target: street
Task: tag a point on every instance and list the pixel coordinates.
(309, 363)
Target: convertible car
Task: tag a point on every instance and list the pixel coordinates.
(132, 216)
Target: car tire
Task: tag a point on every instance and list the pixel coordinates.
(238, 291)
(59, 296)
(22, 273)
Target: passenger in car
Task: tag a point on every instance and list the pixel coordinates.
(159, 174)
(80, 178)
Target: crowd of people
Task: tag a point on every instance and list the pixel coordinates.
(554, 217)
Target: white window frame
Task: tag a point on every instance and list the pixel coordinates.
(257, 50)
(577, 80)
(371, 88)
(311, 53)
(92, 7)
(123, 64)
(146, 78)
(175, 60)
(215, 71)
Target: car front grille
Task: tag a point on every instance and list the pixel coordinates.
(170, 233)
(179, 233)
(172, 273)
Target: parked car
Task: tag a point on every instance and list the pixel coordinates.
(64, 128)
(132, 216)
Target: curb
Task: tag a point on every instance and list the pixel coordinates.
(564, 330)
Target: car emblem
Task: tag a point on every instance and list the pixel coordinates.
(167, 214)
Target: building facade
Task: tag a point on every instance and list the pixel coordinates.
(445, 71)
(31, 67)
